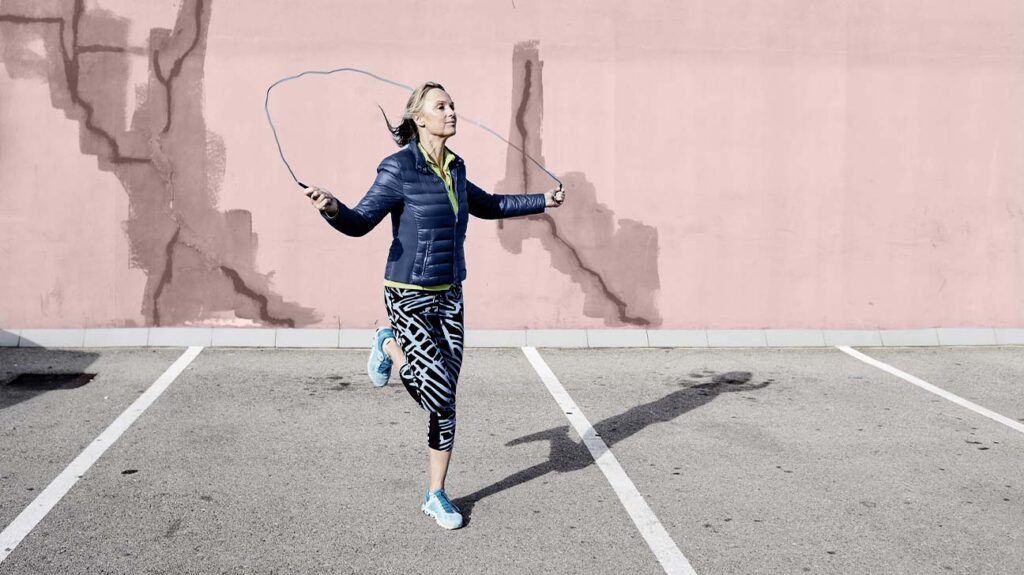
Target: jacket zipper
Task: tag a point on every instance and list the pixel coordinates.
(455, 228)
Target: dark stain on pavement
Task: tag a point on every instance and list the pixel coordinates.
(175, 525)
(312, 385)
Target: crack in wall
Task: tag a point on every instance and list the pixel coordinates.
(259, 298)
(166, 277)
(620, 305)
(625, 258)
(71, 75)
(170, 170)
(85, 49)
(520, 123)
(521, 115)
(176, 66)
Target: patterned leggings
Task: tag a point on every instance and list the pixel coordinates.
(429, 328)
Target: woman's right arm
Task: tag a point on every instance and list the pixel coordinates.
(382, 196)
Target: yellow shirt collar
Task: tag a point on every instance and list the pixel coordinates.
(448, 155)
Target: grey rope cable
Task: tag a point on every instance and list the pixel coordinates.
(266, 107)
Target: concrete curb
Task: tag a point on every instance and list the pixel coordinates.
(589, 338)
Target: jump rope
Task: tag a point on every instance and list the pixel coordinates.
(266, 106)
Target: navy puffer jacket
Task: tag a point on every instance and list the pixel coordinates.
(427, 248)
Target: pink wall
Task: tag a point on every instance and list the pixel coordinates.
(729, 164)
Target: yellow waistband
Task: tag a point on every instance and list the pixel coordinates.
(441, 287)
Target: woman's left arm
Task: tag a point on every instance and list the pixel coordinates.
(496, 206)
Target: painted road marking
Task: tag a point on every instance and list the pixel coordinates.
(26, 521)
(934, 389)
(664, 548)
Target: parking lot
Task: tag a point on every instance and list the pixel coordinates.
(766, 460)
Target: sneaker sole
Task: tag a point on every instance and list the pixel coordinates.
(369, 369)
(434, 516)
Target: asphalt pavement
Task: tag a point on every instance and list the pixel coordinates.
(796, 460)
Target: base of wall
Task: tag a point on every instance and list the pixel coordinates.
(361, 338)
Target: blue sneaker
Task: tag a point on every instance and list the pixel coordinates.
(438, 506)
(378, 367)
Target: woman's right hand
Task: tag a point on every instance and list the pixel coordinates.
(323, 200)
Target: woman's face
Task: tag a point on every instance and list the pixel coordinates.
(437, 117)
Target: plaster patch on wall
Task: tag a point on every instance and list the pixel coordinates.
(199, 261)
(617, 267)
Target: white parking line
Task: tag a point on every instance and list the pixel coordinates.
(26, 521)
(936, 390)
(664, 548)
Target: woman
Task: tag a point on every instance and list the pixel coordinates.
(424, 188)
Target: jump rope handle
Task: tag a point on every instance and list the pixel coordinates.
(560, 189)
(303, 186)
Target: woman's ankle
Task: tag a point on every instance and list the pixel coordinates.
(394, 352)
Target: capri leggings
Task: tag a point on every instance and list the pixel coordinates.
(429, 328)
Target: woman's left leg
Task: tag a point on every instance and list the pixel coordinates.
(429, 328)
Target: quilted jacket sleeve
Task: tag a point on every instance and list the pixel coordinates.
(385, 192)
(496, 206)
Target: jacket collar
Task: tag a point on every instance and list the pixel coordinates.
(421, 162)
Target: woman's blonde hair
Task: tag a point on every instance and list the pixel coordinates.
(407, 129)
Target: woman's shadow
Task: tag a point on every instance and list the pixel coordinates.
(567, 455)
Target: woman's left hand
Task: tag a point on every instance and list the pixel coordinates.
(554, 197)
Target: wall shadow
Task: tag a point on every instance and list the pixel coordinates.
(42, 371)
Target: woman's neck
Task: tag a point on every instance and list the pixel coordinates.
(434, 145)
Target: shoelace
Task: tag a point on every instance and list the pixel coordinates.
(442, 498)
(385, 363)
